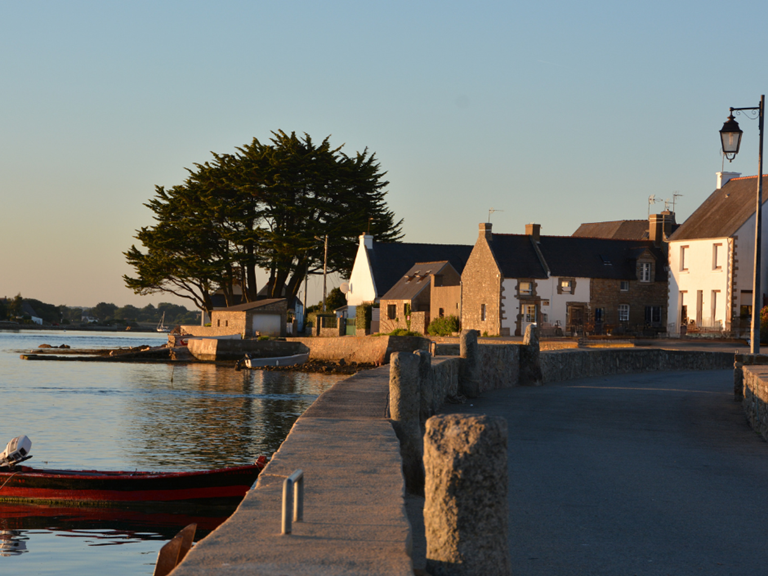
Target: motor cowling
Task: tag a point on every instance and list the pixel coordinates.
(16, 451)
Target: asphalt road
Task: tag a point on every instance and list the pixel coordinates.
(633, 475)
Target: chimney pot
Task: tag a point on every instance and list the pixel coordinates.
(534, 231)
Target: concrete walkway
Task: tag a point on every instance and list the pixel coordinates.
(354, 511)
(640, 474)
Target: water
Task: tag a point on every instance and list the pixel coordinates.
(126, 416)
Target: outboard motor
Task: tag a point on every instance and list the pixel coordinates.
(17, 451)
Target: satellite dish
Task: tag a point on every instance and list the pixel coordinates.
(344, 287)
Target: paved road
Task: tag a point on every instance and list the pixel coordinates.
(639, 474)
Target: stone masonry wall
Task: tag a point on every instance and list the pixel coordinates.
(571, 364)
(607, 294)
(755, 402)
(481, 285)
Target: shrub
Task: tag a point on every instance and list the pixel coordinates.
(363, 316)
(764, 324)
(404, 332)
(444, 326)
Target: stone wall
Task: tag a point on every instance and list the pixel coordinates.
(208, 331)
(360, 349)
(607, 294)
(571, 364)
(481, 281)
(211, 349)
(755, 401)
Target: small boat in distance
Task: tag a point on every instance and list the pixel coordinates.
(212, 487)
(161, 327)
(293, 360)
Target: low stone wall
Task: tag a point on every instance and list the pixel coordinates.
(360, 349)
(443, 381)
(209, 331)
(571, 364)
(755, 398)
(211, 349)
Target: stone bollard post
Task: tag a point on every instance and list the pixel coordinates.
(465, 508)
(404, 406)
(426, 392)
(738, 377)
(469, 371)
(530, 362)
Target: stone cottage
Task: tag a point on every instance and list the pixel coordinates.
(565, 284)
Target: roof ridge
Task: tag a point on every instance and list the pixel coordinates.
(745, 178)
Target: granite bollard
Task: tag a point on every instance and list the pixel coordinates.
(469, 371)
(426, 391)
(404, 405)
(465, 509)
(530, 360)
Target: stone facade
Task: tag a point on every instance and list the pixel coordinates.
(239, 319)
(482, 296)
(608, 295)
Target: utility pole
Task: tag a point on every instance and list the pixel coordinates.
(325, 270)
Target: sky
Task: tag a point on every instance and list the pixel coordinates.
(550, 112)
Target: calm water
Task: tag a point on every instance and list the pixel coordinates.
(122, 416)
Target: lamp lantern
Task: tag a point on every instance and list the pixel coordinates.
(730, 135)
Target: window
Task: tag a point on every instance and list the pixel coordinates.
(482, 312)
(717, 257)
(715, 294)
(624, 286)
(391, 311)
(441, 312)
(699, 305)
(645, 272)
(529, 312)
(653, 315)
(525, 289)
(623, 312)
(566, 286)
(683, 255)
(218, 323)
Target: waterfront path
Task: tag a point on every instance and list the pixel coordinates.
(646, 474)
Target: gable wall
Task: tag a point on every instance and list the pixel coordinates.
(361, 284)
(481, 284)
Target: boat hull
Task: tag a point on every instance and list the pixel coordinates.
(277, 361)
(222, 486)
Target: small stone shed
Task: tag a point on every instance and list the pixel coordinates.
(262, 317)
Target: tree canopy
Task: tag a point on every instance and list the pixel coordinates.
(267, 206)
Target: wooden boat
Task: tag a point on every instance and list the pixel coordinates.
(294, 360)
(222, 486)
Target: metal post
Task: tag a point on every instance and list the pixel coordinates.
(325, 269)
(757, 297)
(293, 500)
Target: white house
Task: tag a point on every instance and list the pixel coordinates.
(711, 259)
(379, 265)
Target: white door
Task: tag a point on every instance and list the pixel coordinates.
(266, 324)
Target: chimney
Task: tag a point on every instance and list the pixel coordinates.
(660, 226)
(485, 230)
(534, 231)
(723, 177)
(366, 240)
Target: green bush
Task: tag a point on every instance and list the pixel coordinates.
(444, 326)
(363, 316)
(404, 332)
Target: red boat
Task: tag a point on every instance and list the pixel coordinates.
(223, 486)
(25, 484)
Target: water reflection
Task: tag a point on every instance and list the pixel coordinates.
(206, 416)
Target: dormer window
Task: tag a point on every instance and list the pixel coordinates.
(645, 272)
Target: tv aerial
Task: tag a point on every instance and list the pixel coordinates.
(491, 211)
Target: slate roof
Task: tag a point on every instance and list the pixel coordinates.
(619, 229)
(517, 257)
(574, 256)
(391, 260)
(250, 305)
(414, 280)
(724, 212)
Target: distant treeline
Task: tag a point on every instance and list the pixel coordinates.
(19, 308)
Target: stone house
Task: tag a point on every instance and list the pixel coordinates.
(563, 282)
(711, 260)
(266, 317)
(427, 291)
(379, 266)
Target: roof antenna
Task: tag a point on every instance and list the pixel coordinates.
(675, 196)
(491, 211)
(651, 200)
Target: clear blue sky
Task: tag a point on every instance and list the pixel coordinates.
(554, 112)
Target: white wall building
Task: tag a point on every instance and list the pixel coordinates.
(711, 259)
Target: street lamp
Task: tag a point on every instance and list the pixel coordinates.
(730, 136)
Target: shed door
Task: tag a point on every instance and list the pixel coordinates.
(266, 324)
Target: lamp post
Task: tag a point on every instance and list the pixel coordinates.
(730, 136)
(325, 266)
